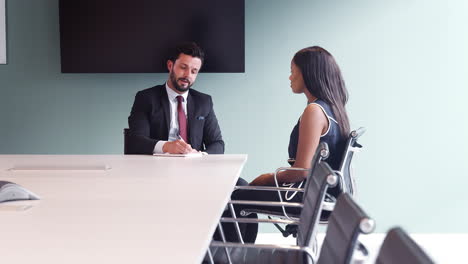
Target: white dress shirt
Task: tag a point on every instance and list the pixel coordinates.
(174, 124)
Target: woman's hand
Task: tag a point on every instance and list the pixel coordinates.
(266, 179)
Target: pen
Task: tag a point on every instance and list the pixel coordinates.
(179, 137)
(202, 152)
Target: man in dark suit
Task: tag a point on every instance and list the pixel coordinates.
(172, 118)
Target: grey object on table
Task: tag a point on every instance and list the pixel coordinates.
(10, 191)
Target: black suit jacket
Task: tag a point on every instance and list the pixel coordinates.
(149, 122)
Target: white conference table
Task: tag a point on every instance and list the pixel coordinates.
(114, 208)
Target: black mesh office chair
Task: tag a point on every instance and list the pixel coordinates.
(399, 248)
(346, 223)
(321, 154)
(324, 177)
(346, 182)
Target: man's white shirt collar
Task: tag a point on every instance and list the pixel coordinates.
(172, 95)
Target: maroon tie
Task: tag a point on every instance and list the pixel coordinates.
(182, 118)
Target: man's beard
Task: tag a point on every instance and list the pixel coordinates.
(176, 85)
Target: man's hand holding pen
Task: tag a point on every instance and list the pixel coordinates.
(177, 147)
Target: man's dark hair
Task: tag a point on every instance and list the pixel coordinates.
(187, 48)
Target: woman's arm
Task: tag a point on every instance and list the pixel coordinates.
(313, 124)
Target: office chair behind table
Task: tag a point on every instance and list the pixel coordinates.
(126, 133)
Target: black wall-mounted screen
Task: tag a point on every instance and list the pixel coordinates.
(134, 36)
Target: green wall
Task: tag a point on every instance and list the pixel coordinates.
(405, 64)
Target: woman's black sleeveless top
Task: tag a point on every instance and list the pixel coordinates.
(336, 142)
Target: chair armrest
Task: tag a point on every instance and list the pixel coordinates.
(268, 188)
(272, 188)
(266, 203)
(277, 185)
(280, 169)
(253, 220)
(290, 169)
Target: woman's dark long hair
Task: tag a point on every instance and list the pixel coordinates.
(323, 79)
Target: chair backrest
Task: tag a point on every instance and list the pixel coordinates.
(346, 223)
(345, 171)
(126, 132)
(398, 247)
(323, 177)
(321, 153)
